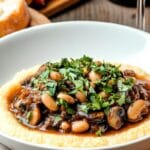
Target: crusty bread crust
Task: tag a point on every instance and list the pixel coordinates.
(15, 20)
(28, 2)
(11, 127)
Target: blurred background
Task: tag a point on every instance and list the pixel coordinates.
(116, 11)
(49, 11)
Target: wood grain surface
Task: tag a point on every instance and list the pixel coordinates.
(101, 10)
(55, 6)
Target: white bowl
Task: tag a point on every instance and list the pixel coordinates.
(106, 41)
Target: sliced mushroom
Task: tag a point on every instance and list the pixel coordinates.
(69, 99)
(144, 83)
(49, 102)
(35, 115)
(129, 72)
(137, 109)
(115, 117)
(96, 115)
(80, 126)
(81, 96)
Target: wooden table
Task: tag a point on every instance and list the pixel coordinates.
(102, 10)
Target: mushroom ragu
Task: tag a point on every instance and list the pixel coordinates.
(81, 95)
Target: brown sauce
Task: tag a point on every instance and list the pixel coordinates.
(110, 132)
(119, 112)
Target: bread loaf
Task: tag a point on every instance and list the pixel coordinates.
(28, 2)
(14, 15)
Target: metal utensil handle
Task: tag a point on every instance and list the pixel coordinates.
(140, 21)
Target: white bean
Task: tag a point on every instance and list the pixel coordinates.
(35, 116)
(137, 109)
(81, 96)
(49, 102)
(94, 76)
(69, 99)
(55, 76)
(65, 125)
(80, 126)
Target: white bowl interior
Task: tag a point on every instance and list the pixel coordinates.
(102, 41)
(51, 42)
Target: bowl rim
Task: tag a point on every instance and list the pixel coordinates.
(46, 147)
(70, 23)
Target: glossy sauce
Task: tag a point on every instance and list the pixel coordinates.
(109, 132)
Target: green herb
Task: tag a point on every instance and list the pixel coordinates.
(70, 111)
(128, 100)
(29, 116)
(125, 84)
(51, 87)
(111, 102)
(84, 107)
(106, 110)
(86, 60)
(121, 99)
(66, 105)
(86, 83)
(74, 91)
(92, 90)
(99, 132)
(105, 104)
(108, 70)
(62, 102)
(70, 73)
(79, 85)
(108, 89)
(95, 102)
(118, 98)
(57, 119)
(112, 82)
(45, 74)
(65, 63)
(61, 86)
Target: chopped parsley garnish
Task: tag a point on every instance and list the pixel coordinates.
(112, 82)
(99, 132)
(84, 96)
(28, 116)
(69, 110)
(125, 84)
(51, 87)
(57, 119)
